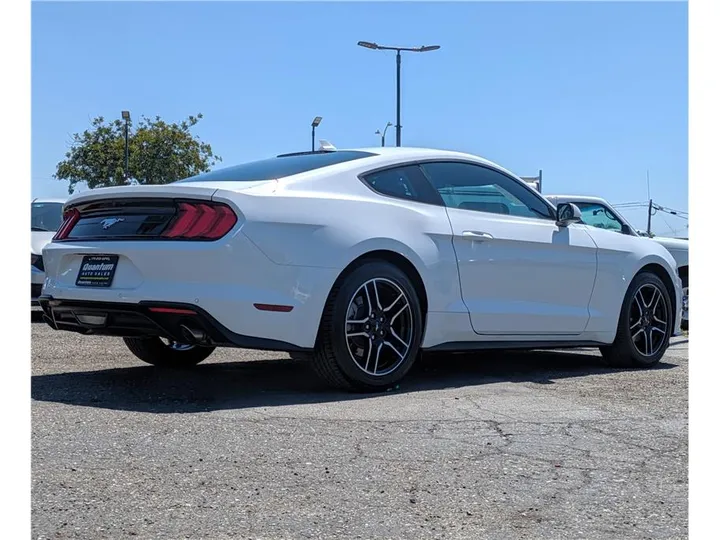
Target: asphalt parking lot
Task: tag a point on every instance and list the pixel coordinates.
(250, 445)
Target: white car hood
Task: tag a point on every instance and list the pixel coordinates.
(38, 240)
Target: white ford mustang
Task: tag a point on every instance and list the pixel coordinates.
(357, 259)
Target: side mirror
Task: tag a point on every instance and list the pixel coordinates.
(568, 213)
(625, 229)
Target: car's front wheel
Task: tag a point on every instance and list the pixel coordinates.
(164, 353)
(645, 324)
(371, 329)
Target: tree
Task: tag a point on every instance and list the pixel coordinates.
(160, 153)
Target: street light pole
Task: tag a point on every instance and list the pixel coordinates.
(398, 127)
(382, 135)
(375, 46)
(126, 117)
(315, 123)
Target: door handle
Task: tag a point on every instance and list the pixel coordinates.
(477, 235)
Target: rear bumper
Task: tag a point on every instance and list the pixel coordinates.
(224, 278)
(185, 323)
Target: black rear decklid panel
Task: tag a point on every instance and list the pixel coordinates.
(123, 219)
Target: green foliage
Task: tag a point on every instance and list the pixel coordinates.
(160, 153)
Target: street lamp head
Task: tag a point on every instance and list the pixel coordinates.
(368, 44)
(316, 121)
(377, 132)
(426, 48)
(126, 115)
(389, 124)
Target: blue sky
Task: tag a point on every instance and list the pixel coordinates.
(594, 94)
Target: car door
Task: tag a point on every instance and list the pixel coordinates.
(520, 273)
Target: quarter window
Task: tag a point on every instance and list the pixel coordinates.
(406, 182)
(473, 187)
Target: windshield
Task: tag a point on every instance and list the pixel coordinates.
(598, 215)
(45, 216)
(278, 167)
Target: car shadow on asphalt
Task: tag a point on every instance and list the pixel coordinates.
(267, 383)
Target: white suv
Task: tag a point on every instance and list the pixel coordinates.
(45, 220)
(597, 212)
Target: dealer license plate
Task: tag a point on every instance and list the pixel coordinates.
(97, 271)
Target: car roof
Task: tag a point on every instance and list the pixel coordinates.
(393, 154)
(578, 198)
(358, 160)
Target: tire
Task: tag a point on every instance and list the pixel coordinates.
(685, 322)
(341, 360)
(154, 351)
(628, 353)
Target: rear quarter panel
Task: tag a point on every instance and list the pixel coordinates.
(330, 222)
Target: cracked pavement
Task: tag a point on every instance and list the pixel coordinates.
(251, 445)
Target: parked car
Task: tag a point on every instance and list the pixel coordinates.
(356, 259)
(599, 213)
(45, 218)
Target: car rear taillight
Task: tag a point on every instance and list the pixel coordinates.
(201, 221)
(70, 218)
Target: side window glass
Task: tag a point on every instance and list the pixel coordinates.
(597, 215)
(472, 187)
(403, 183)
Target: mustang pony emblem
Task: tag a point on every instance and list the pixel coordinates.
(107, 223)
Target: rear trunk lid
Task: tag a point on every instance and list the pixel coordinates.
(144, 212)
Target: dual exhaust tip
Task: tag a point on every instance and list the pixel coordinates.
(193, 336)
(190, 334)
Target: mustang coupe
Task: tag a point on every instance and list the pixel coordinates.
(356, 260)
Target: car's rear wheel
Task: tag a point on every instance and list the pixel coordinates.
(165, 353)
(645, 325)
(371, 329)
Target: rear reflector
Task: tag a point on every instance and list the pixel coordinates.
(174, 311)
(201, 221)
(273, 307)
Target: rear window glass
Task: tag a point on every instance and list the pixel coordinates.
(278, 167)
